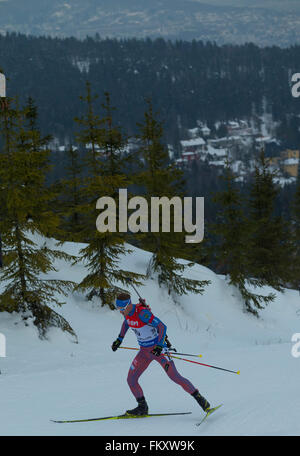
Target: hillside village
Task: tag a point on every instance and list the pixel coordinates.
(240, 143)
(239, 147)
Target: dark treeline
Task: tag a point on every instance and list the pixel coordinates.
(186, 80)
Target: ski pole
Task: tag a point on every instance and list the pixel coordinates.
(128, 348)
(169, 353)
(189, 361)
(207, 365)
(184, 354)
(128, 279)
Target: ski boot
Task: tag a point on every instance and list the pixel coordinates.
(141, 409)
(204, 404)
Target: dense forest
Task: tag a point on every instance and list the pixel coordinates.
(244, 239)
(186, 81)
(252, 230)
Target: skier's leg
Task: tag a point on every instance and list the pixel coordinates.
(171, 371)
(173, 374)
(138, 366)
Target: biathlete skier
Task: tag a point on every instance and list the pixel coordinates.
(151, 336)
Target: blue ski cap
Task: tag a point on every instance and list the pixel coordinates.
(122, 303)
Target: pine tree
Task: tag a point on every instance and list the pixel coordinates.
(232, 236)
(230, 230)
(24, 215)
(30, 138)
(269, 247)
(71, 196)
(162, 179)
(106, 164)
(92, 129)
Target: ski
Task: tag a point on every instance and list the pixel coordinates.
(119, 417)
(212, 410)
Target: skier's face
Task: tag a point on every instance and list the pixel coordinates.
(127, 310)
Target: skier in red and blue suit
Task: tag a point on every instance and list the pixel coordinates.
(152, 339)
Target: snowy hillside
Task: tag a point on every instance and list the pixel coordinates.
(57, 379)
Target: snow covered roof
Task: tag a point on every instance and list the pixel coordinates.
(263, 139)
(217, 163)
(184, 154)
(219, 152)
(205, 129)
(233, 124)
(194, 130)
(192, 142)
(291, 161)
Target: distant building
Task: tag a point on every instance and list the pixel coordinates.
(288, 153)
(291, 166)
(288, 160)
(189, 156)
(235, 128)
(193, 145)
(193, 132)
(205, 131)
(2, 86)
(171, 151)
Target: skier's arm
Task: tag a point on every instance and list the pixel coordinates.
(124, 329)
(116, 344)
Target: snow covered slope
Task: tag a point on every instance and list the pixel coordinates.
(57, 379)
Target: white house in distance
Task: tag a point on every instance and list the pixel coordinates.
(2, 86)
(203, 128)
(192, 148)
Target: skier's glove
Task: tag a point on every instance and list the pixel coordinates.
(116, 344)
(157, 350)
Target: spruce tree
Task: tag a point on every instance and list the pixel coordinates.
(71, 196)
(105, 165)
(270, 247)
(162, 179)
(24, 216)
(230, 251)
